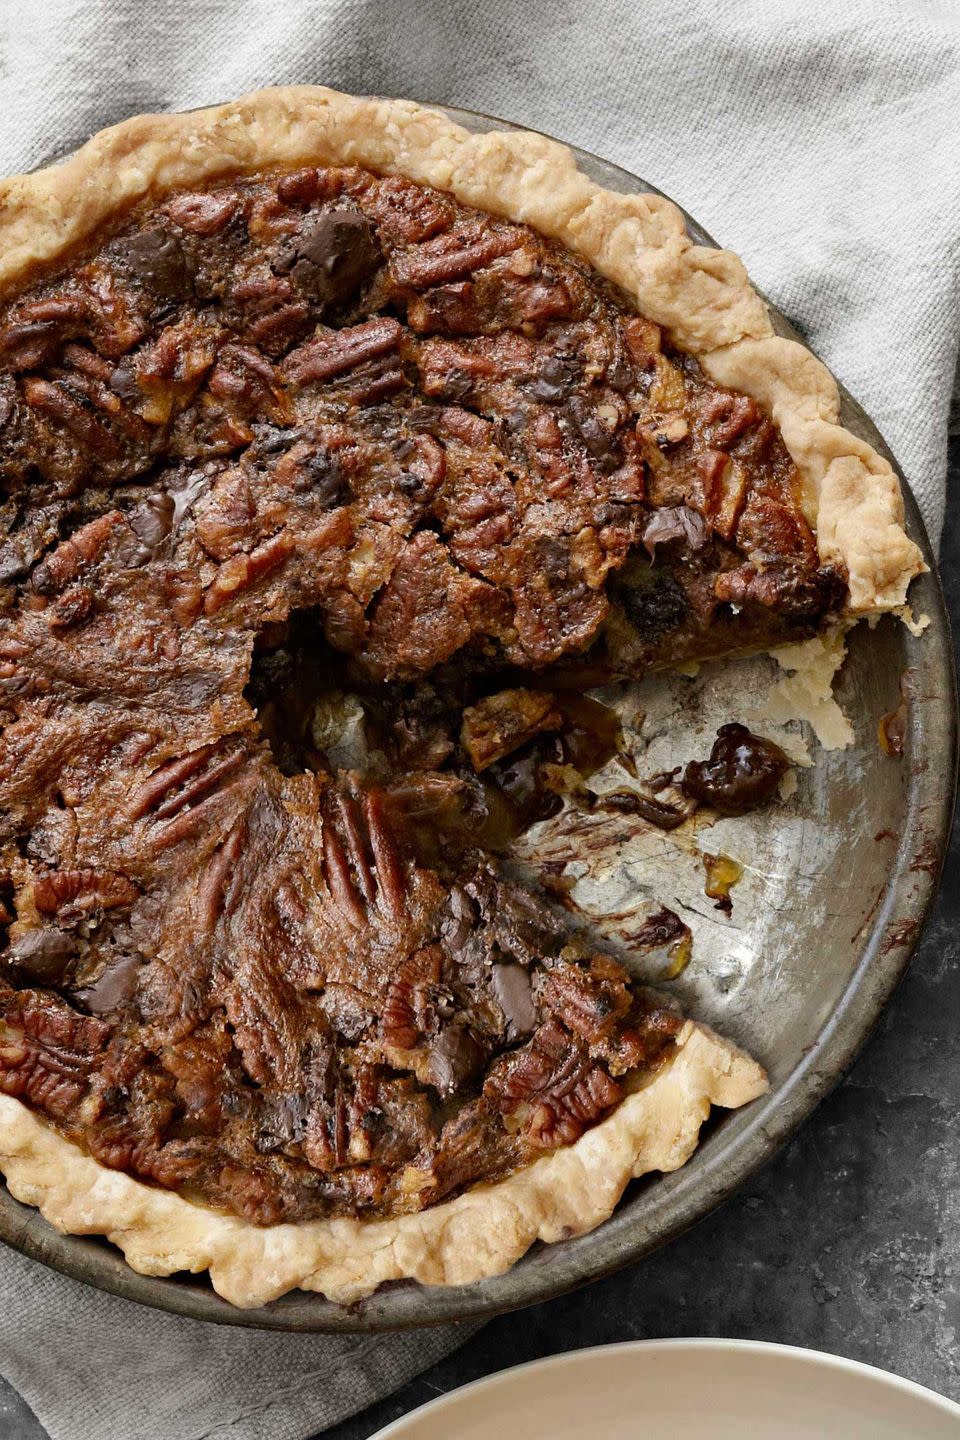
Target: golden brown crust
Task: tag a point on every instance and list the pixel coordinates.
(705, 301)
(481, 1233)
(702, 297)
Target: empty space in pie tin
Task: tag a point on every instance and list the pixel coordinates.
(837, 882)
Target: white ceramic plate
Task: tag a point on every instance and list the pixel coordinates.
(686, 1390)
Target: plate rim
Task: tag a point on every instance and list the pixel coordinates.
(696, 1345)
(756, 1134)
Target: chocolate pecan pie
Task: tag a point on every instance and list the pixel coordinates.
(323, 420)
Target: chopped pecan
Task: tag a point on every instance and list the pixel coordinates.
(445, 309)
(217, 893)
(728, 415)
(719, 491)
(300, 187)
(71, 608)
(370, 389)
(341, 1117)
(501, 723)
(427, 611)
(225, 514)
(387, 861)
(452, 370)
(34, 332)
(425, 470)
(590, 999)
(47, 1053)
(204, 213)
(405, 213)
(278, 329)
(22, 547)
(245, 378)
(313, 466)
(82, 358)
(116, 322)
(169, 371)
(643, 340)
(463, 425)
(180, 783)
(556, 610)
(362, 862)
(481, 521)
(668, 393)
(788, 589)
(771, 531)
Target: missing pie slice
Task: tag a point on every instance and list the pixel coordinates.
(305, 399)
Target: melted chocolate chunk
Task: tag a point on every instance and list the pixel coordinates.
(596, 433)
(185, 495)
(514, 995)
(633, 802)
(675, 523)
(43, 957)
(151, 523)
(156, 258)
(283, 1124)
(742, 773)
(334, 253)
(123, 381)
(656, 607)
(557, 377)
(453, 1059)
(113, 988)
(663, 927)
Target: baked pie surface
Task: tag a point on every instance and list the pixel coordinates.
(269, 422)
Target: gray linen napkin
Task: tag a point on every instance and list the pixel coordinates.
(97, 1368)
(818, 140)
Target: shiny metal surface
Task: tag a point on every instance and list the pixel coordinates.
(837, 883)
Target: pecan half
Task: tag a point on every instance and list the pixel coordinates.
(341, 350)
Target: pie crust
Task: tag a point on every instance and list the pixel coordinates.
(704, 300)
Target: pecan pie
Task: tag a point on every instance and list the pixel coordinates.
(322, 419)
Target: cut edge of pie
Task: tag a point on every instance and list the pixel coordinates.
(476, 1235)
(704, 300)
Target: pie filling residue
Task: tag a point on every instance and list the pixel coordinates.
(324, 500)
